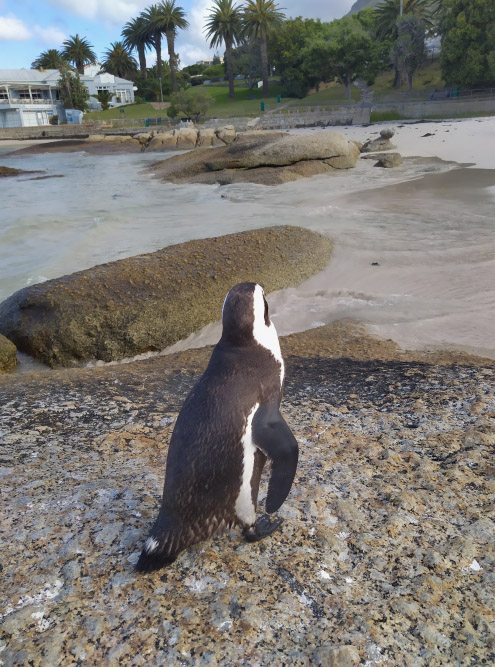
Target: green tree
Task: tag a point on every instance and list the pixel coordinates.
(193, 104)
(246, 59)
(214, 71)
(79, 51)
(388, 12)
(287, 53)
(261, 18)
(50, 59)
(468, 42)
(104, 97)
(73, 92)
(119, 62)
(134, 36)
(347, 52)
(409, 47)
(166, 18)
(224, 24)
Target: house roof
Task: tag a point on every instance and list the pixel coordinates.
(29, 76)
(47, 76)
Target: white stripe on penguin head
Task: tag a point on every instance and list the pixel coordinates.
(264, 335)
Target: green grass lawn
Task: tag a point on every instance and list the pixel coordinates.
(144, 110)
(247, 101)
(427, 78)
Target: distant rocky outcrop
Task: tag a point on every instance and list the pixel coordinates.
(5, 172)
(382, 143)
(148, 302)
(268, 158)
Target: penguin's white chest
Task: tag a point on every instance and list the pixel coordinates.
(244, 506)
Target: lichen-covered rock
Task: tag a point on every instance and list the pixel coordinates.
(8, 359)
(143, 137)
(207, 137)
(148, 302)
(387, 133)
(226, 134)
(187, 138)
(389, 160)
(387, 438)
(381, 143)
(268, 158)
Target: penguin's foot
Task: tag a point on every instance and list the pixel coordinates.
(262, 528)
(151, 562)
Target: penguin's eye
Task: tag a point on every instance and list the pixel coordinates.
(267, 319)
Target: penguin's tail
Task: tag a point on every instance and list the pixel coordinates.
(160, 549)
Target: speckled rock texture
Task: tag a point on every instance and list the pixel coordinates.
(386, 555)
(8, 359)
(148, 302)
(267, 158)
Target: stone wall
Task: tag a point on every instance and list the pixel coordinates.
(430, 108)
(46, 132)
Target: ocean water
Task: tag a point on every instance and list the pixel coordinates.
(414, 255)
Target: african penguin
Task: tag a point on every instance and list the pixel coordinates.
(228, 426)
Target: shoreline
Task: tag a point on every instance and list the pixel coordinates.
(444, 141)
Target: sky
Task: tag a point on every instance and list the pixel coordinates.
(28, 27)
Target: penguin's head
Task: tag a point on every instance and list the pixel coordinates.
(245, 315)
(246, 322)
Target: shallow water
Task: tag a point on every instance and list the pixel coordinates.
(414, 250)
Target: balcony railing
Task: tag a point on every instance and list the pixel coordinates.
(22, 100)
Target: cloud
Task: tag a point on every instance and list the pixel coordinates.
(13, 29)
(49, 36)
(113, 12)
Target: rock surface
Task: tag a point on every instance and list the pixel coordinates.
(148, 302)
(8, 359)
(388, 160)
(5, 172)
(379, 144)
(268, 158)
(386, 556)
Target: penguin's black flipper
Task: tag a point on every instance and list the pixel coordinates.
(272, 435)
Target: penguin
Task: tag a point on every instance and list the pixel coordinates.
(228, 427)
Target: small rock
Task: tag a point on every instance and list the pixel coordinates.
(387, 133)
(389, 160)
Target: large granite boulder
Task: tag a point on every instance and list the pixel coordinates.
(8, 359)
(148, 302)
(262, 157)
(257, 157)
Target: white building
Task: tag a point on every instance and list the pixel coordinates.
(30, 97)
(121, 88)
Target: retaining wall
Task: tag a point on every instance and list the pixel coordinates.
(447, 108)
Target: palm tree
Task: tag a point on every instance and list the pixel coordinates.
(153, 33)
(119, 62)
(79, 51)
(225, 25)
(134, 37)
(166, 18)
(389, 11)
(261, 17)
(50, 59)
(387, 14)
